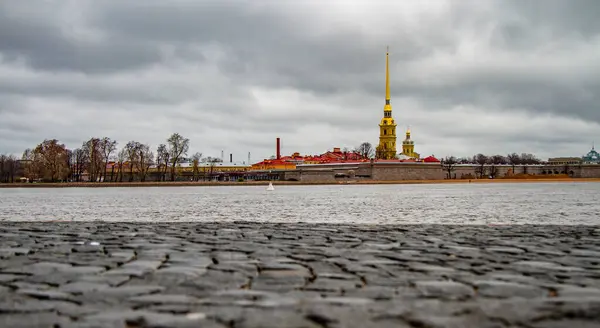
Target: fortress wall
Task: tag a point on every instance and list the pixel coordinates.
(317, 176)
(588, 171)
(407, 171)
(324, 175)
(423, 171)
(461, 171)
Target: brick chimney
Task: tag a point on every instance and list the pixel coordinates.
(278, 148)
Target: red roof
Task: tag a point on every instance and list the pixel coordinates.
(430, 159)
(335, 156)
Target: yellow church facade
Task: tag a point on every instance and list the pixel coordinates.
(386, 149)
(387, 127)
(408, 147)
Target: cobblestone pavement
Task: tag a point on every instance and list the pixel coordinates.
(297, 275)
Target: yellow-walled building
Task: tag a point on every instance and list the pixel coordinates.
(408, 147)
(387, 128)
(273, 164)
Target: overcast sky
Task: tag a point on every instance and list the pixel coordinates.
(467, 76)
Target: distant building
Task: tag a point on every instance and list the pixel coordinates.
(290, 162)
(408, 147)
(592, 157)
(564, 160)
(214, 167)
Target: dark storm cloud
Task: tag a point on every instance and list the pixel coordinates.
(31, 32)
(227, 71)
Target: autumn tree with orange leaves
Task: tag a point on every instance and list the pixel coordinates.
(51, 160)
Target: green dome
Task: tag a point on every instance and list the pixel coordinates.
(592, 157)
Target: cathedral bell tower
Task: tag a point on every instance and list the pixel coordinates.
(387, 127)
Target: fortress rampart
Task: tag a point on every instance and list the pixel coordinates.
(428, 171)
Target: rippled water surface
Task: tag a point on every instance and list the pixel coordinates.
(541, 203)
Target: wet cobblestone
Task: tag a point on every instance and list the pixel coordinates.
(297, 275)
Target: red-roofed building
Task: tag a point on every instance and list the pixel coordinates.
(431, 159)
(289, 162)
(335, 156)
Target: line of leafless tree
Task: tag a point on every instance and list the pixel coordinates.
(488, 165)
(9, 166)
(52, 161)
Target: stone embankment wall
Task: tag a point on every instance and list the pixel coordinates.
(588, 171)
(426, 171)
(407, 171)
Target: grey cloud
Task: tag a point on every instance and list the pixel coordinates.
(191, 66)
(28, 31)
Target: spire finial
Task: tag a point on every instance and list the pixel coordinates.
(387, 77)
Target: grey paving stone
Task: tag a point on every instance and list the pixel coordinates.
(509, 250)
(4, 278)
(33, 320)
(144, 319)
(45, 294)
(7, 252)
(112, 280)
(164, 299)
(444, 289)
(137, 268)
(585, 253)
(241, 274)
(81, 287)
(503, 289)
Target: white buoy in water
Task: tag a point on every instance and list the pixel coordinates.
(270, 187)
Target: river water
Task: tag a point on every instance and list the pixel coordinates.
(501, 203)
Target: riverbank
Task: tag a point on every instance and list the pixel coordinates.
(289, 183)
(295, 275)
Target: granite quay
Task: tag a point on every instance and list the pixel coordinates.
(240, 274)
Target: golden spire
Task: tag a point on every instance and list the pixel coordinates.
(387, 81)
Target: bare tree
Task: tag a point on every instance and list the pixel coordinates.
(212, 163)
(107, 147)
(95, 158)
(178, 146)
(122, 156)
(33, 169)
(163, 159)
(9, 166)
(78, 163)
(365, 150)
(3, 168)
(528, 159)
(481, 160)
(6, 165)
(12, 166)
(498, 160)
(131, 149)
(345, 153)
(144, 160)
(196, 162)
(494, 161)
(449, 165)
(513, 159)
